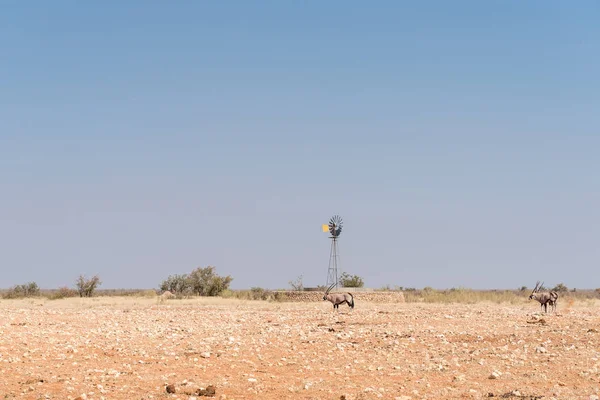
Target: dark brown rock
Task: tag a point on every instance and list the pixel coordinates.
(210, 391)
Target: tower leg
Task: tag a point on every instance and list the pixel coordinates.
(332, 272)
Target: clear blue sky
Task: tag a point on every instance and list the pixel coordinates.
(460, 141)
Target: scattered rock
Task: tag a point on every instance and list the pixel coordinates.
(167, 295)
(495, 375)
(536, 320)
(210, 391)
(105, 349)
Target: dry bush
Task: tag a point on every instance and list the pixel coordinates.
(87, 287)
(255, 293)
(297, 284)
(462, 295)
(351, 281)
(61, 293)
(30, 289)
(146, 293)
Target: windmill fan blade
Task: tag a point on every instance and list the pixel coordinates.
(335, 225)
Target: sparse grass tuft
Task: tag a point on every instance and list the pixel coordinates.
(256, 293)
(462, 295)
(146, 293)
(470, 296)
(61, 293)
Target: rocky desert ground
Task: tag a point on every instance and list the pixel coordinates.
(136, 348)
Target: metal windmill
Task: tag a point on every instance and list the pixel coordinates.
(335, 228)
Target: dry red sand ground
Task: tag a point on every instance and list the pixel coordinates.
(115, 348)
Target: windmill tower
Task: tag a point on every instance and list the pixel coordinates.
(334, 228)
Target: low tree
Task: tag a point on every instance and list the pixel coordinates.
(352, 281)
(86, 287)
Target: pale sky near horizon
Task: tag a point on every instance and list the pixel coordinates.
(459, 141)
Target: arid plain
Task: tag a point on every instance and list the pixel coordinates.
(134, 348)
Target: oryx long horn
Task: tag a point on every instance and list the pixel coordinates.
(329, 288)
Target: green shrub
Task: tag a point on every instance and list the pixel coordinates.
(258, 293)
(353, 281)
(201, 282)
(279, 296)
(176, 284)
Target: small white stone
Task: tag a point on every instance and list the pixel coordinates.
(495, 375)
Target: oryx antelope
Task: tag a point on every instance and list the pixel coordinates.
(544, 298)
(338, 298)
